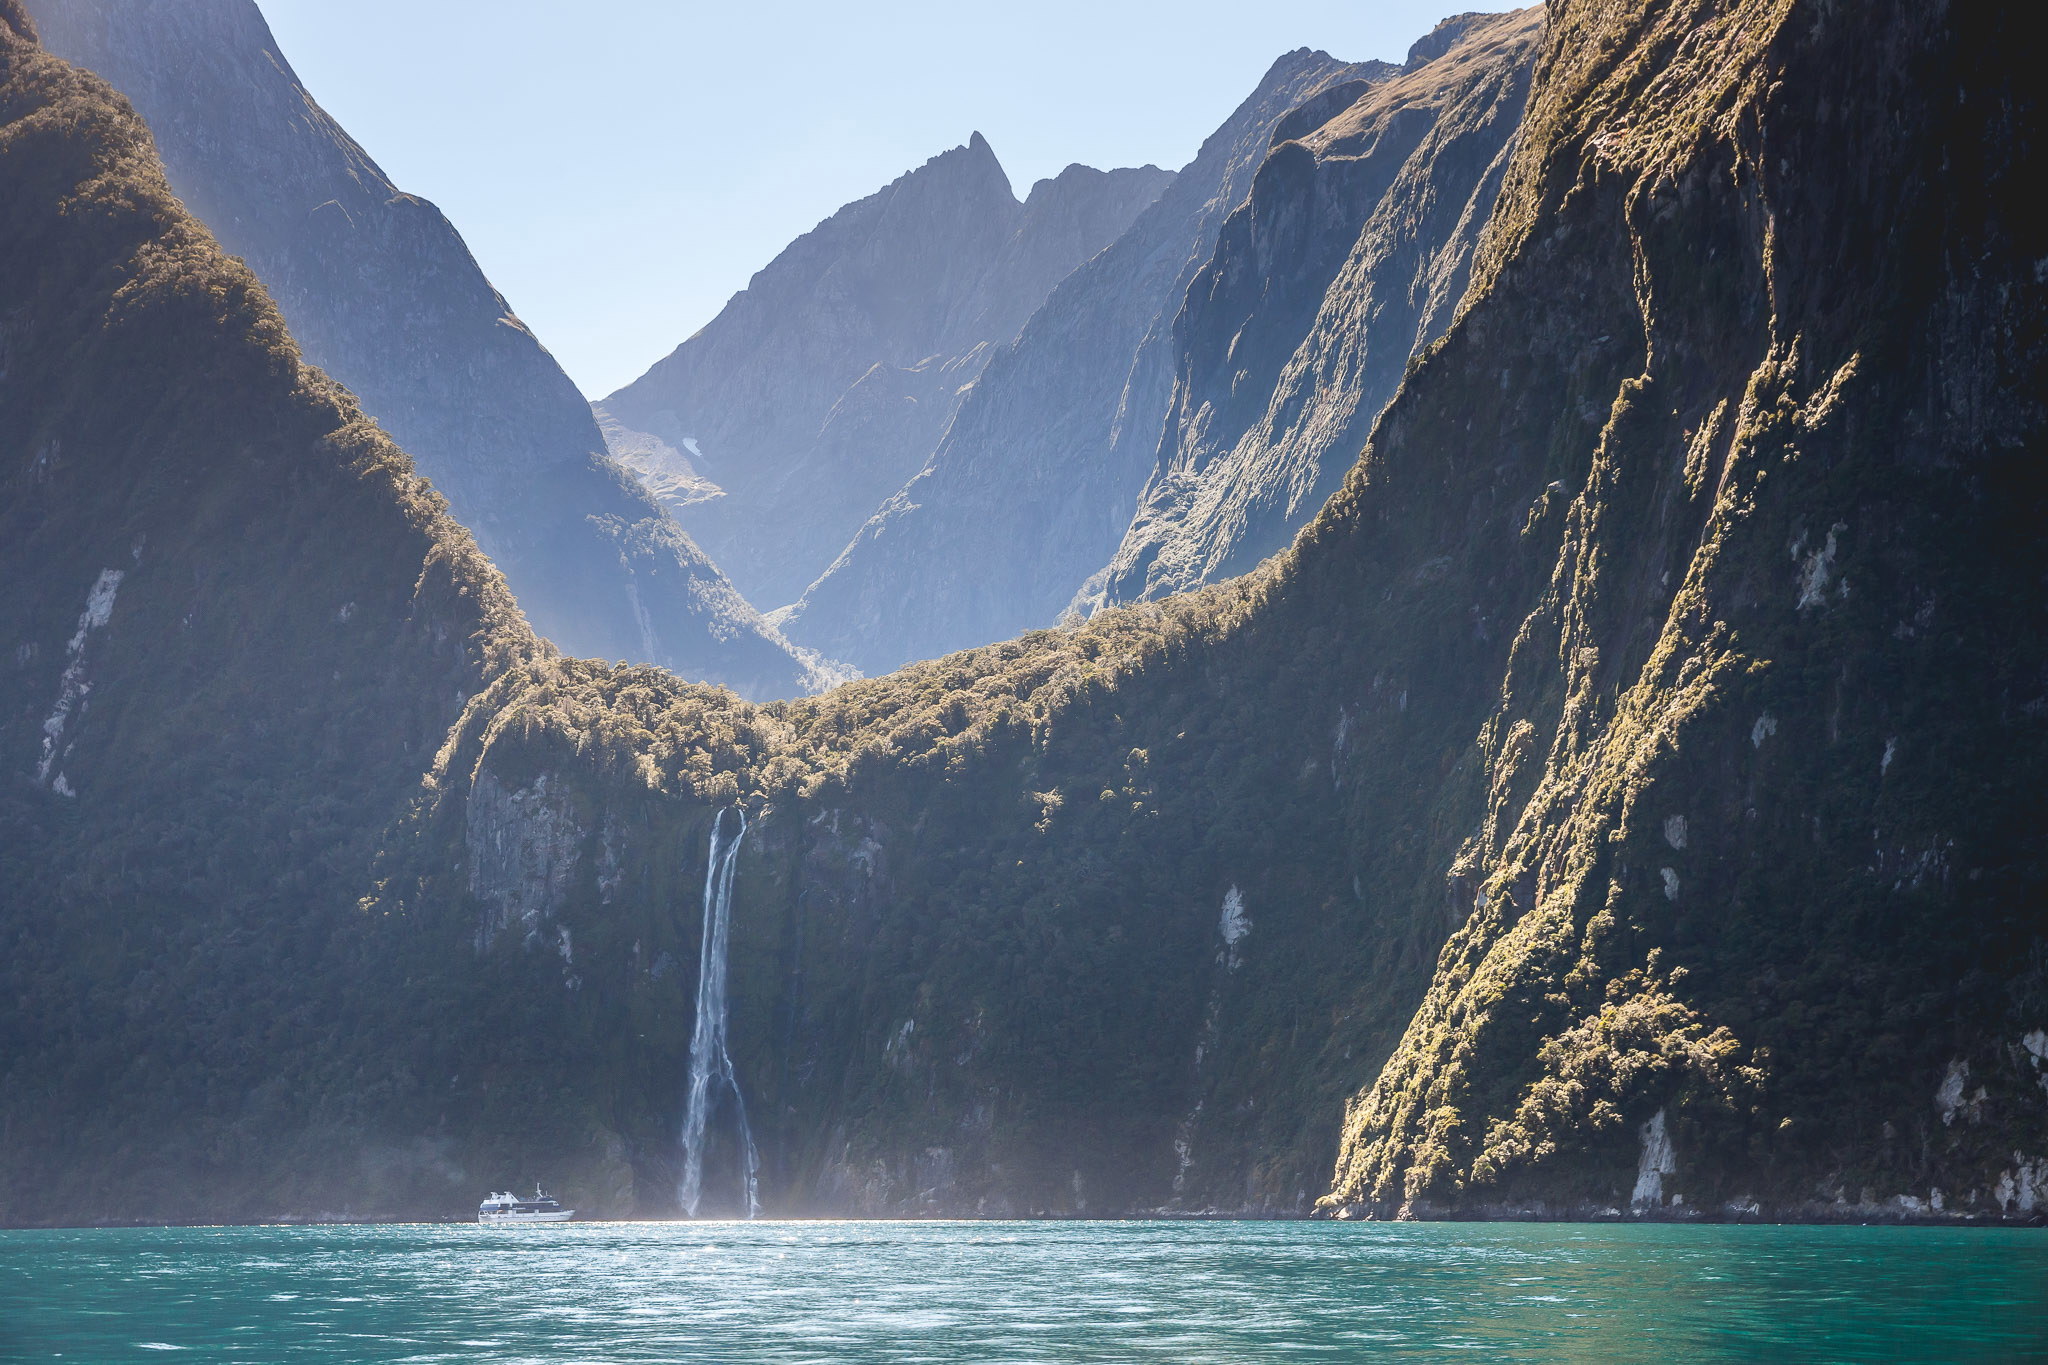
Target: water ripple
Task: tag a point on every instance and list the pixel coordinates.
(1021, 1294)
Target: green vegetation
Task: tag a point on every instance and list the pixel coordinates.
(1649, 725)
(297, 626)
(1792, 561)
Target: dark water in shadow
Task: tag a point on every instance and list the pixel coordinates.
(1017, 1292)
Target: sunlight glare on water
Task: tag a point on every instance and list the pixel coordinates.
(1023, 1292)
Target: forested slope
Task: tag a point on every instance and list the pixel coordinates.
(1756, 893)
(381, 292)
(1630, 768)
(238, 626)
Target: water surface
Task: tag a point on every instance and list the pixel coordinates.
(1024, 1292)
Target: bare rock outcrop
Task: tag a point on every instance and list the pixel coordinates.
(1349, 257)
(777, 429)
(1037, 478)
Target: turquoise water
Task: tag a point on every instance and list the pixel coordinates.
(1016, 1292)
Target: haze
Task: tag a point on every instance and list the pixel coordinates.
(619, 174)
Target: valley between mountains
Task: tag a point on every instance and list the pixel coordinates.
(1479, 650)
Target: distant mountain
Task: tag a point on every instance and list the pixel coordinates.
(1349, 257)
(775, 431)
(381, 293)
(1039, 474)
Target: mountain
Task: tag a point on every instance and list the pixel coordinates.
(1037, 477)
(1749, 886)
(383, 295)
(775, 431)
(1618, 801)
(1348, 257)
(239, 626)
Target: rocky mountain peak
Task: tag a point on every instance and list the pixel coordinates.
(970, 170)
(826, 383)
(1076, 184)
(1039, 473)
(1443, 37)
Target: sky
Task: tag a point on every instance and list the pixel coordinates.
(621, 167)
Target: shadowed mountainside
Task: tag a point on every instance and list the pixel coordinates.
(1038, 475)
(238, 627)
(1622, 792)
(381, 293)
(1350, 255)
(826, 382)
(1752, 913)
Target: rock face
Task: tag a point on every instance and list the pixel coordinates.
(1621, 800)
(1349, 256)
(1755, 351)
(380, 291)
(520, 852)
(821, 387)
(1038, 476)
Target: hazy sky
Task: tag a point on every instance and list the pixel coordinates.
(620, 167)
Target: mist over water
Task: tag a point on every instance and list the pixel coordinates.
(710, 1061)
(1013, 1292)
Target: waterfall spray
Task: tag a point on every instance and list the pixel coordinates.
(709, 1060)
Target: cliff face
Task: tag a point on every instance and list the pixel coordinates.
(382, 294)
(1559, 777)
(1038, 475)
(1763, 305)
(826, 383)
(1349, 256)
(238, 627)
(1624, 790)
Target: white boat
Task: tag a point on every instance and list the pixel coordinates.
(509, 1208)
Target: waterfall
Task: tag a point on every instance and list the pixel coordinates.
(709, 1060)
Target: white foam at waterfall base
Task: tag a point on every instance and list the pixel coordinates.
(709, 1060)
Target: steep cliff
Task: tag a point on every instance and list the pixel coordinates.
(238, 626)
(1038, 476)
(827, 381)
(1561, 775)
(1349, 256)
(383, 295)
(1752, 885)
(1623, 790)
